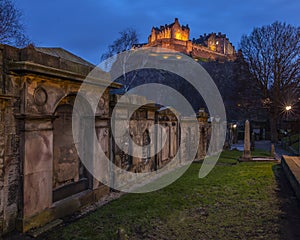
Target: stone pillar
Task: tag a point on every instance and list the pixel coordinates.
(9, 165)
(100, 167)
(247, 152)
(37, 155)
(202, 117)
(272, 150)
(215, 131)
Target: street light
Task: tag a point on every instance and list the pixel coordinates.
(289, 108)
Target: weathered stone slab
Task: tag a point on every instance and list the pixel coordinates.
(291, 167)
(37, 232)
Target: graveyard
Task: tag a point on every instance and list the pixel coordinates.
(248, 200)
(149, 120)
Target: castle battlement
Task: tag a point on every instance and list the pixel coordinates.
(170, 31)
(208, 47)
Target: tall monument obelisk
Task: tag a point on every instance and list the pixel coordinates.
(247, 152)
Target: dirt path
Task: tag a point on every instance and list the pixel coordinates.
(290, 206)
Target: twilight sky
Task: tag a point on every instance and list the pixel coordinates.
(87, 27)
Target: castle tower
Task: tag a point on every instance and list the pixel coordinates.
(209, 47)
(170, 31)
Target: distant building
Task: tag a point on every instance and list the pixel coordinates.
(208, 47)
(216, 42)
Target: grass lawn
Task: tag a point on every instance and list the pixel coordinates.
(235, 201)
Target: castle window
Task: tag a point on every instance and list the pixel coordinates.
(178, 35)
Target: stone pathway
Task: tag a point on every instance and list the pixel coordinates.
(290, 207)
(266, 146)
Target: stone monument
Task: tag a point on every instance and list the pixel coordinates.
(247, 152)
(272, 150)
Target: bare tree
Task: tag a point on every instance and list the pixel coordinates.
(11, 28)
(127, 39)
(272, 53)
(125, 42)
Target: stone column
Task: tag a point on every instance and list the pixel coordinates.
(202, 117)
(247, 152)
(9, 165)
(101, 168)
(37, 155)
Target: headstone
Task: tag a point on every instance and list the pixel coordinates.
(272, 150)
(247, 152)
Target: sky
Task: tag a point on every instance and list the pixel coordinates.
(87, 27)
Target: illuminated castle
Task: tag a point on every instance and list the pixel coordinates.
(208, 47)
(171, 31)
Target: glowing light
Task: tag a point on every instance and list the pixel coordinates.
(178, 36)
(178, 57)
(288, 107)
(234, 125)
(212, 47)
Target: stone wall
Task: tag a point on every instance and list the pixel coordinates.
(35, 88)
(219, 43)
(9, 165)
(41, 175)
(178, 136)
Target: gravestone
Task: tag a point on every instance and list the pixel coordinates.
(272, 150)
(247, 152)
